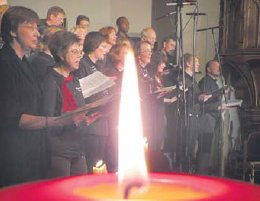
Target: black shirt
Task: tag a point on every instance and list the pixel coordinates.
(192, 95)
(65, 141)
(41, 63)
(208, 85)
(20, 94)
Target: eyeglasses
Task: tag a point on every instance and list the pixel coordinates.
(76, 52)
(30, 27)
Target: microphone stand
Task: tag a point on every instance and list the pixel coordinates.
(225, 98)
(184, 129)
(183, 133)
(195, 22)
(191, 125)
(181, 55)
(219, 61)
(181, 147)
(223, 91)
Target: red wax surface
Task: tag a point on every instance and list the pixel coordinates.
(104, 187)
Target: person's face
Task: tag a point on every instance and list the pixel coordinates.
(124, 25)
(145, 53)
(73, 56)
(102, 50)
(151, 38)
(57, 20)
(27, 35)
(112, 38)
(85, 24)
(214, 69)
(170, 46)
(160, 67)
(196, 65)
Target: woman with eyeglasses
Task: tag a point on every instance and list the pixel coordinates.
(22, 126)
(21, 141)
(61, 94)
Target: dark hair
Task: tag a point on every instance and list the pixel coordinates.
(60, 42)
(209, 63)
(120, 19)
(157, 58)
(92, 41)
(13, 17)
(105, 31)
(168, 38)
(54, 10)
(80, 18)
(187, 57)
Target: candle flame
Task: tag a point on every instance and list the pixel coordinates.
(100, 168)
(99, 163)
(131, 166)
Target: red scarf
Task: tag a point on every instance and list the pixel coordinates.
(69, 102)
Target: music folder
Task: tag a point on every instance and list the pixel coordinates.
(86, 108)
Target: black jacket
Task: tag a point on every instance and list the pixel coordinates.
(21, 151)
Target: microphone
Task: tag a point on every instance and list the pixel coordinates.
(182, 2)
(196, 14)
(166, 15)
(205, 29)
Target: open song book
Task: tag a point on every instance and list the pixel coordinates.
(86, 108)
(95, 83)
(90, 85)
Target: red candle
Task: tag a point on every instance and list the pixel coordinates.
(162, 187)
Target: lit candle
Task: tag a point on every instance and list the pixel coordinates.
(100, 168)
(132, 170)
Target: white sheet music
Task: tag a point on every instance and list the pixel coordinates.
(234, 103)
(165, 89)
(94, 83)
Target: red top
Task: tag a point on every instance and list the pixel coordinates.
(69, 102)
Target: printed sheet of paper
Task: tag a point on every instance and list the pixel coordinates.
(165, 89)
(234, 103)
(94, 83)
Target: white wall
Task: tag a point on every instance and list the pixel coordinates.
(138, 13)
(101, 12)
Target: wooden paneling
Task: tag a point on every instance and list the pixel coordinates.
(241, 28)
(240, 44)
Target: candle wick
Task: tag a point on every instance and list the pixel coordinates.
(130, 186)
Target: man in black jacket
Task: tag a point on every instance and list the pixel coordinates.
(211, 110)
